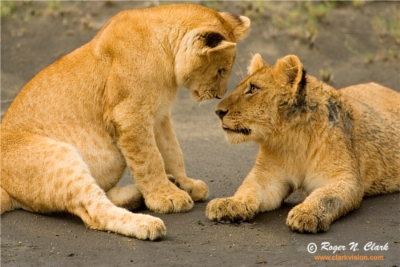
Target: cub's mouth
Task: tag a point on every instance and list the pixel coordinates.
(202, 96)
(244, 131)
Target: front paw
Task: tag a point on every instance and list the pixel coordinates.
(306, 220)
(197, 189)
(169, 201)
(230, 209)
(147, 227)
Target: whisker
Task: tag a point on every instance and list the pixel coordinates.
(273, 124)
(187, 81)
(201, 103)
(241, 72)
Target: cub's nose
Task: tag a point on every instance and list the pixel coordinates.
(221, 113)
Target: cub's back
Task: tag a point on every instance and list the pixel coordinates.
(375, 111)
(374, 95)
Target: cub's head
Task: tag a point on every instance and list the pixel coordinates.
(207, 53)
(264, 103)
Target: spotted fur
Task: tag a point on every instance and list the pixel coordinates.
(74, 128)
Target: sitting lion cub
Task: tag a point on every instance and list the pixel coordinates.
(72, 130)
(337, 146)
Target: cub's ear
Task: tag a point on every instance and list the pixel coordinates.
(256, 63)
(223, 47)
(288, 71)
(240, 24)
(215, 42)
(204, 41)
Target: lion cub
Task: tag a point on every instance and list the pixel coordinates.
(337, 146)
(74, 128)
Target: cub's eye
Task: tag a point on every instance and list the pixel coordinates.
(252, 89)
(220, 71)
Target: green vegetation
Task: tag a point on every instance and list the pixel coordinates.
(254, 9)
(368, 56)
(304, 19)
(26, 9)
(388, 25)
(326, 75)
(8, 8)
(215, 4)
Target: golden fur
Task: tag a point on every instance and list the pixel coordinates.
(74, 128)
(337, 146)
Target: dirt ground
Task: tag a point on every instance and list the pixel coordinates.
(345, 44)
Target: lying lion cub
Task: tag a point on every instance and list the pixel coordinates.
(72, 130)
(337, 146)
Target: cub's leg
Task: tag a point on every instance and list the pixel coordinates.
(44, 175)
(7, 202)
(138, 145)
(128, 197)
(262, 190)
(173, 159)
(337, 196)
